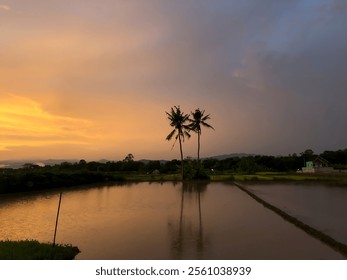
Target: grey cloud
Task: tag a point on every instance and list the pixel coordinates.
(312, 77)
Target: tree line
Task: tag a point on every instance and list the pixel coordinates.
(265, 163)
(244, 164)
(34, 177)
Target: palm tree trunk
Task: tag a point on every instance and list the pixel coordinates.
(198, 167)
(198, 147)
(182, 171)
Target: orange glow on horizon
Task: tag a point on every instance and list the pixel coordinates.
(24, 123)
(97, 129)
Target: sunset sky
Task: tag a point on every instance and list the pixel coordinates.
(92, 79)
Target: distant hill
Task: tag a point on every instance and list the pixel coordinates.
(148, 160)
(221, 157)
(19, 163)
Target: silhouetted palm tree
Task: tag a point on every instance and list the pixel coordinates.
(197, 122)
(178, 120)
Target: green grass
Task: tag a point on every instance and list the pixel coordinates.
(150, 177)
(279, 176)
(232, 176)
(33, 180)
(34, 250)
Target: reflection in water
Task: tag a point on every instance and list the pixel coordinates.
(158, 221)
(320, 205)
(185, 234)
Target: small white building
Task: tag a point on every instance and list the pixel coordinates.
(318, 165)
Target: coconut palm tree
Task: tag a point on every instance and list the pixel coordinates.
(178, 120)
(198, 121)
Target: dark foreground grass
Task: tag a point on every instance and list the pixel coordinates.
(34, 250)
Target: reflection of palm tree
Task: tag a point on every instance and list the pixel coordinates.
(178, 120)
(200, 240)
(180, 235)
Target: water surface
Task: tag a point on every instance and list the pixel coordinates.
(321, 205)
(159, 221)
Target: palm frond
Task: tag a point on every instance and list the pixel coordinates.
(207, 117)
(207, 125)
(186, 133)
(173, 145)
(179, 121)
(172, 133)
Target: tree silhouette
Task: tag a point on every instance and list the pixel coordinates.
(129, 158)
(178, 120)
(198, 121)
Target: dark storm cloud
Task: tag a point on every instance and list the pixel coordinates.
(282, 63)
(310, 72)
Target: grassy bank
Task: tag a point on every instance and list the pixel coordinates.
(235, 176)
(34, 250)
(280, 176)
(33, 180)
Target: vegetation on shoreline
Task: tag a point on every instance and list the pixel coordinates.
(33, 180)
(34, 250)
(249, 168)
(281, 176)
(21, 183)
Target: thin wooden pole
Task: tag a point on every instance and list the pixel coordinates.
(56, 221)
